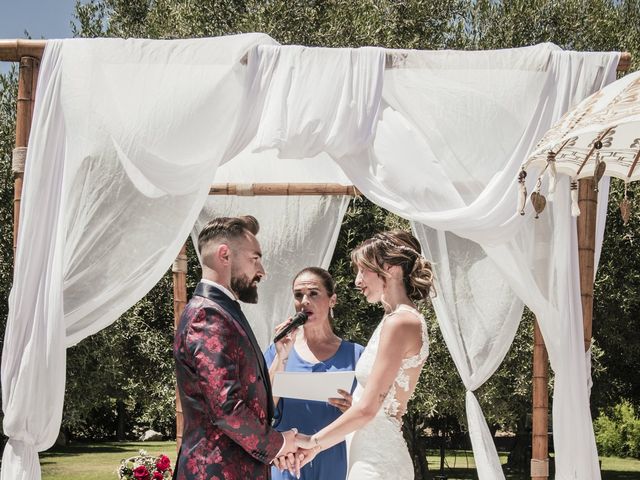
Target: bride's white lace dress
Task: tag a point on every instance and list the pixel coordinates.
(378, 450)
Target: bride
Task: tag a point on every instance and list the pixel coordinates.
(392, 271)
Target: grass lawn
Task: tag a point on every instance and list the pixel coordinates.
(98, 461)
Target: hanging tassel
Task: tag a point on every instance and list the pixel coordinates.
(522, 194)
(625, 207)
(551, 163)
(575, 209)
(537, 199)
(599, 168)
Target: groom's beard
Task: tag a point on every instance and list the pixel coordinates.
(243, 288)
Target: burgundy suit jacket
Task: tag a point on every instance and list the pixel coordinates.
(225, 392)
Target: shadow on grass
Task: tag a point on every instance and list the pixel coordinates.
(616, 475)
(88, 448)
(470, 474)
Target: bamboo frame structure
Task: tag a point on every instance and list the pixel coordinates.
(29, 52)
(283, 189)
(27, 83)
(179, 270)
(586, 223)
(540, 414)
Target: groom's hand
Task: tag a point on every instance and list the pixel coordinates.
(290, 444)
(289, 458)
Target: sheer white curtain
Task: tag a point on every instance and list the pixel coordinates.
(122, 151)
(295, 232)
(452, 130)
(465, 137)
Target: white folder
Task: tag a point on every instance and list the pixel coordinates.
(319, 386)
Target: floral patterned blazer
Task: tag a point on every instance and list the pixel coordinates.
(225, 393)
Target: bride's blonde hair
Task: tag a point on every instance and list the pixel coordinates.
(397, 247)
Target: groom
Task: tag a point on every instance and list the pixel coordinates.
(222, 378)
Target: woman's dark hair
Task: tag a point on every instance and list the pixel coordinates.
(322, 274)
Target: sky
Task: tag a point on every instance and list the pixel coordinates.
(40, 18)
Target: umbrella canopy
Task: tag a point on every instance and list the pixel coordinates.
(601, 136)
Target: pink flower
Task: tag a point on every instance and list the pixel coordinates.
(158, 475)
(163, 463)
(141, 473)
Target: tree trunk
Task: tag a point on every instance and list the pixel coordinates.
(520, 454)
(413, 433)
(121, 412)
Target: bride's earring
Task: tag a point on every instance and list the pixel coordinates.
(331, 312)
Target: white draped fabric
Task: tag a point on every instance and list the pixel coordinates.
(121, 156)
(295, 231)
(127, 137)
(303, 233)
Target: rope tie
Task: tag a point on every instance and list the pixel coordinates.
(539, 468)
(18, 159)
(180, 264)
(244, 189)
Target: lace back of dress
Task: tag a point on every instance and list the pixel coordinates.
(395, 403)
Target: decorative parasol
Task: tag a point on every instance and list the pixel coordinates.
(601, 136)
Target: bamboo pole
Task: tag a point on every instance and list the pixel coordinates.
(11, 50)
(14, 50)
(179, 301)
(540, 417)
(272, 189)
(586, 222)
(27, 81)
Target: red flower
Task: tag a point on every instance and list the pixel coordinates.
(141, 473)
(158, 475)
(163, 463)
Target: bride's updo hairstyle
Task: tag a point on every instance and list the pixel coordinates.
(397, 247)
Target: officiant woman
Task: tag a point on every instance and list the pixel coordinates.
(314, 347)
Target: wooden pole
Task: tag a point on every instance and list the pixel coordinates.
(282, 189)
(586, 223)
(11, 50)
(14, 50)
(540, 417)
(179, 301)
(27, 81)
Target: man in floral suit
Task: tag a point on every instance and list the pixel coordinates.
(222, 378)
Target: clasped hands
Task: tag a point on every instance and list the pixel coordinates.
(299, 450)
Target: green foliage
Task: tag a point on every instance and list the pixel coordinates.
(617, 305)
(8, 97)
(122, 380)
(618, 433)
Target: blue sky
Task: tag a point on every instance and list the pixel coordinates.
(40, 18)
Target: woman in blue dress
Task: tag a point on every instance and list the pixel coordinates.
(313, 348)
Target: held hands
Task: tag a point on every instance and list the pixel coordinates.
(290, 459)
(343, 403)
(306, 450)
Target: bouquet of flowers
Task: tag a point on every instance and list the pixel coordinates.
(145, 467)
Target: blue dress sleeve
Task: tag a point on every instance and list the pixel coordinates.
(270, 354)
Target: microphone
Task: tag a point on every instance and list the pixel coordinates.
(298, 319)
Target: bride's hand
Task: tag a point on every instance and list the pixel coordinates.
(306, 455)
(304, 441)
